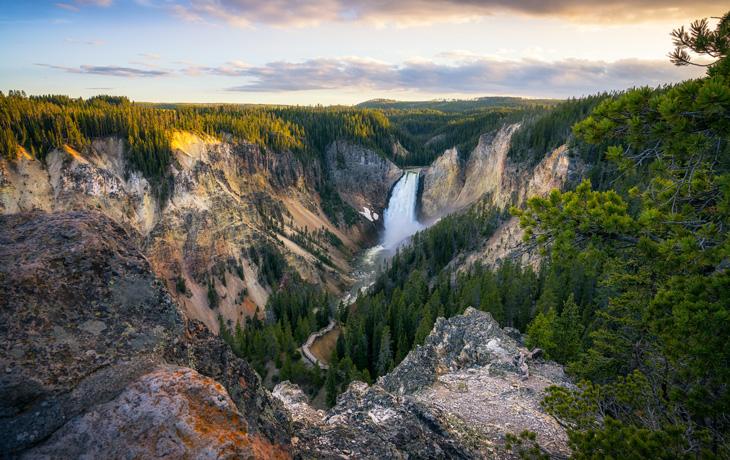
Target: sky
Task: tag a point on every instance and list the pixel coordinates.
(339, 51)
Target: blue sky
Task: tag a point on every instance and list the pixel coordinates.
(338, 51)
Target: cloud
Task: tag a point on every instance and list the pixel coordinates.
(103, 3)
(76, 5)
(111, 71)
(450, 73)
(302, 13)
(150, 56)
(67, 7)
(188, 14)
(473, 75)
(84, 42)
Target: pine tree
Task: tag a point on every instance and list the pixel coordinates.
(385, 356)
(541, 332)
(331, 385)
(491, 300)
(424, 328)
(568, 331)
(213, 299)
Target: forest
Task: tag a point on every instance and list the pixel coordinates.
(632, 294)
(40, 124)
(457, 105)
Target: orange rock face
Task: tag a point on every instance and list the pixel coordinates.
(169, 413)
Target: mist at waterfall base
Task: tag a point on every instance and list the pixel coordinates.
(399, 224)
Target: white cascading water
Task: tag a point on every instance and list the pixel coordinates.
(400, 222)
(400, 217)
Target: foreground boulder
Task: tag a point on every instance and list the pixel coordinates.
(368, 422)
(479, 374)
(456, 396)
(168, 413)
(97, 360)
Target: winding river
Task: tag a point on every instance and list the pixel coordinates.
(400, 222)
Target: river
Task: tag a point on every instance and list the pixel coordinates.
(400, 222)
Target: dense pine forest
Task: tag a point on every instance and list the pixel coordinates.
(39, 124)
(457, 105)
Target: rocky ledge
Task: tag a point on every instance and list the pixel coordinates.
(98, 361)
(456, 396)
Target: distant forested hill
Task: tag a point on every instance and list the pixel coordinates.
(457, 105)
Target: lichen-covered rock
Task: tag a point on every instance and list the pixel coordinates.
(468, 340)
(169, 413)
(297, 404)
(371, 423)
(82, 317)
(478, 374)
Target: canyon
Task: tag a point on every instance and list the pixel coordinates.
(114, 253)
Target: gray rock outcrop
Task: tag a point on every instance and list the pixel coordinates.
(456, 396)
(370, 423)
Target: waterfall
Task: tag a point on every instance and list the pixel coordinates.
(400, 217)
(399, 220)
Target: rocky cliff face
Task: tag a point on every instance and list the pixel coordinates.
(456, 396)
(450, 186)
(221, 201)
(441, 184)
(486, 167)
(551, 173)
(99, 361)
(363, 178)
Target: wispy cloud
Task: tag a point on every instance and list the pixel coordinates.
(449, 73)
(476, 75)
(77, 41)
(150, 56)
(103, 3)
(111, 71)
(67, 7)
(75, 5)
(302, 13)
